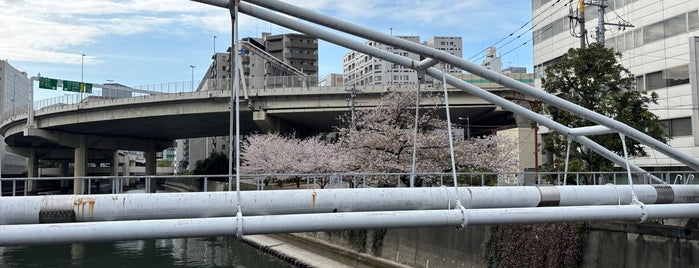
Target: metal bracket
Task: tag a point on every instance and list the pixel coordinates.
(644, 214)
(239, 223)
(464, 214)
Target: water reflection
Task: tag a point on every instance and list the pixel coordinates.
(189, 252)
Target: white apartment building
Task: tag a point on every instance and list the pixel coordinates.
(360, 69)
(660, 50)
(14, 97)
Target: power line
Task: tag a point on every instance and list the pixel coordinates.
(540, 33)
(515, 31)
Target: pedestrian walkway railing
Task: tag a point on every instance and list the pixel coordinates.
(118, 184)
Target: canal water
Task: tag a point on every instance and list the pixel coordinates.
(187, 252)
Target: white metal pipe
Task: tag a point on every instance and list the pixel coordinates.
(333, 38)
(589, 131)
(476, 69)
(226, 226)
(84, 208)
(553, 214)
(382, 54)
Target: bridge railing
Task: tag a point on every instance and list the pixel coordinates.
(254, 84)
(117, 184)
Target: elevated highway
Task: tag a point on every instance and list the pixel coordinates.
(97, 126)
(133, 123)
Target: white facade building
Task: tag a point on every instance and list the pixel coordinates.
(14, 92)
(360, 69)
(660, 50)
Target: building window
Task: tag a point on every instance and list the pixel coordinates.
(675, 25)
(666, 78)
(693, 18)
(678, 126)
(655, 80)
(653, 32)
(638, 37)
(639, 83)
(677, 76)
(628, 38)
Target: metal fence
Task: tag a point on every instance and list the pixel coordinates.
(260, 182)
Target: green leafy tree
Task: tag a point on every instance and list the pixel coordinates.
(216, 163)
(593, 78)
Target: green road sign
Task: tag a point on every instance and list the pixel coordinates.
(48, 83)
(73, 86)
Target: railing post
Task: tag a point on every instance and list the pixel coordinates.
(206, 184)
(25, 187)
(14, 188)
(577, 178)
(558, 179)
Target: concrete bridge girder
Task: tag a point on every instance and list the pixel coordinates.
(62, 154)
(97, 141)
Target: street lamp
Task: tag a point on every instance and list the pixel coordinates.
(14, 89)
(192, 83)
(82, 71)
(82, 66)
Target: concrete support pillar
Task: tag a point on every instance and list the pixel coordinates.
(115, 164)
(64, 173)
(80, 165)
(151, 165)
(268, 123)
(32, 171)
(115, 172)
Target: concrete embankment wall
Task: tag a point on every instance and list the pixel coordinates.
(610, 244)
(604, 245)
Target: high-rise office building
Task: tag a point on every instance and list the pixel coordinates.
(14, 92)
(269, 61)
(659, 44)
(360, 69)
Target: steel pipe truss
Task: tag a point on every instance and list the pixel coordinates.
(89, 218)
(228, 226)
(432, 56)
(62, 219)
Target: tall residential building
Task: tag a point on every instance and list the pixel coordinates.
(298, 50)
(269, 61)
(14, 89)
(361, 69)
(660, 50)
(449, 44)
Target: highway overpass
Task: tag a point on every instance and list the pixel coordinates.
(95, 127)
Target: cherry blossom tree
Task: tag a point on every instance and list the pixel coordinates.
(381, 142)
(276, 154)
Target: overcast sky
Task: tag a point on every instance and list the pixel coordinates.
(137, 42)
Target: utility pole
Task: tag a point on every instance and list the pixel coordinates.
(353, 94)
(581, 21)
(579, 17)
(601, 23)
